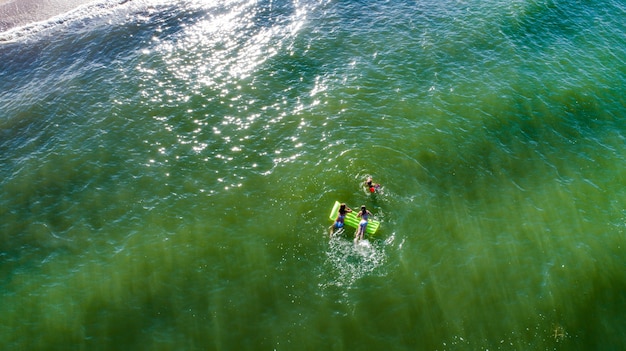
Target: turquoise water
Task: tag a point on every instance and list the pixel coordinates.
(168, 169)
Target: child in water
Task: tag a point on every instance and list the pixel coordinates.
(371, 186)
(341, 215)
(360, 231)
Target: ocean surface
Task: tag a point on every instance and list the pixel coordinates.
(167, 169)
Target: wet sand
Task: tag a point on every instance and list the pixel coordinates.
(15, 13)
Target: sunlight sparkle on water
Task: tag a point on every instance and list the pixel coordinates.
(235, 42)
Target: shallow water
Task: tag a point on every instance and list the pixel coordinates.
(168, 169)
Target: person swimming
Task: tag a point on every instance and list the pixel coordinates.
(341, 216)
(360, 231)
(373, 187)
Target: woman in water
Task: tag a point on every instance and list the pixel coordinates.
(341, 215)
(360, 231)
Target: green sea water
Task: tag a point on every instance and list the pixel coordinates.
(168, 169)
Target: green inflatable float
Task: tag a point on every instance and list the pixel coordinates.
(352, 220)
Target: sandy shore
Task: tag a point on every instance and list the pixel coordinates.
(15, 13)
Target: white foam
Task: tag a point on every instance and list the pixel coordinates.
(106, 11)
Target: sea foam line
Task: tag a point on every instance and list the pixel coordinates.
(102, 9)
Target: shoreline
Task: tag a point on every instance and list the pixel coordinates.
(20, 13)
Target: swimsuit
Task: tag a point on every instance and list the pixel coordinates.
(339, 221)
(363, 222)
